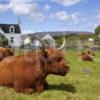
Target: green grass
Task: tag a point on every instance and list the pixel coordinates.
(77, 85)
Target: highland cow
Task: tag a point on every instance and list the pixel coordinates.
(87, 56)
(27, 73)
(5, 52)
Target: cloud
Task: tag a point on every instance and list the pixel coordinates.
(77, 18)
(46, 7)
(67, 2)
(38, 17)
(74, 16)
(62, 16)
(33, 10)
(71, 18)
(95, 21)
(27, 8)
(98, 16)
(95, 25)
(22, 7)
(3, 8)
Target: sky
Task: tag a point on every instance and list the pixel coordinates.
(51, 15)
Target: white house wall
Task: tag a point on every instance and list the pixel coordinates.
(2, 32)
(17, 39)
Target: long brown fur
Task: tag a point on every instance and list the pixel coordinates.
(27, 73)
(5, 52)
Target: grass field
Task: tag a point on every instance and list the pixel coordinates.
(82, 83)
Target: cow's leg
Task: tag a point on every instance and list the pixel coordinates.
(22, 88)
(39, 87)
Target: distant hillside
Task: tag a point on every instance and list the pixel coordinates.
(57, 33)
(60, 33)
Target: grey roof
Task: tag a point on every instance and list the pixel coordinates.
(5, 28)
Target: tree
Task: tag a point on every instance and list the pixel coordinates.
(97, 40)
(97, 30)
(3, 40)
(84, 37)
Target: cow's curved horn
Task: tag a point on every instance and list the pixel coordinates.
(37, 38)
(62, 46)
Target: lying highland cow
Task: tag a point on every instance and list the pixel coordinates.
(87, 56)
(27, 73)
(5, 52)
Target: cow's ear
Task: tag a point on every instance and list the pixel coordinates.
(45, 57)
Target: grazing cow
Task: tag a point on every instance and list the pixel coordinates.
(87, 56)
(5, 52)
(27, 73)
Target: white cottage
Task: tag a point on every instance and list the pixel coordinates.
(12, 32)
(49, 41)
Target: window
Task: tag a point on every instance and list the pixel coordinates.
(12, 29)
(12, 39)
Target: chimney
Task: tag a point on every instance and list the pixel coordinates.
(19, 22)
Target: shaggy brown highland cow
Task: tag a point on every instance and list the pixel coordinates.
(5, 52)
(27, 73)
(87, 56)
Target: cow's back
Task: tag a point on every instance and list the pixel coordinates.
(19, 68)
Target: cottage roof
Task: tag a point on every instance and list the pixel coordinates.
(6, 27)
(47, 36)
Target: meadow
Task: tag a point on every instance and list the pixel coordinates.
(82, 83)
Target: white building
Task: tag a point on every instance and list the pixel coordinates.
(49, 41)
(12, 32)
